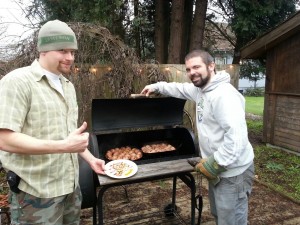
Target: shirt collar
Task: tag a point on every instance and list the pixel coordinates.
(38, 72)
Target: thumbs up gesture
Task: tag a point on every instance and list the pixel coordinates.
(78, 140)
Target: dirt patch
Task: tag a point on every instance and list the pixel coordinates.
(146, 203)
(268, 207)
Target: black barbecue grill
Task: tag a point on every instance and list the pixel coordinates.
(136, 122)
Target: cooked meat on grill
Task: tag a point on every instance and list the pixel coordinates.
(155, 148)
(124, 153)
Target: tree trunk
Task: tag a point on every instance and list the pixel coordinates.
(161, 36)
(176, 31)
(237, 54)
(137, 29)
(198, 26)
(187, 21)
(117, 26)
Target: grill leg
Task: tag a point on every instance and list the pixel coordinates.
(94, 215)
(189, 180)
(171, 208)
(126, 193)
(174, 191)
(100, 204)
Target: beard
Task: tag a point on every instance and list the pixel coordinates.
(64, 69)
(202, 81)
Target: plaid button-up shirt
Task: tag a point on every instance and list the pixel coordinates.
(30, 104)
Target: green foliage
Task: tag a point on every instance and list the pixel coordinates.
(279, 169)
(273, 166)
(253, 70)
(255, 126)
(163, 184)
(293, 169)
(3, 188)
(254, 92)
(254, 105)
(252, 18)
(108, 13)
(133, 21)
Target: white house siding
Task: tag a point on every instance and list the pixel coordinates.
(245, 84)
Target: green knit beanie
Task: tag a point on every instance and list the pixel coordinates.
(56, 35)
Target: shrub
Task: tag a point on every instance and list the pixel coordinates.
(256, 92)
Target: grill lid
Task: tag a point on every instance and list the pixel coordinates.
(112, 114)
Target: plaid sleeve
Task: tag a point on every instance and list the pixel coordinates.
(13, 103)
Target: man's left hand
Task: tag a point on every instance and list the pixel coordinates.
(208, 167)
(98, 166)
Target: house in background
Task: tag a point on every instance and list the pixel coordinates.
(219, 46)
(245, 84)
(280, 47)
(223, 51)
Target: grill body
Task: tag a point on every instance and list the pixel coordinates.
(135, 122)
(180, 138)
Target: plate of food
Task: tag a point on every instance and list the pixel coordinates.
(121, 168)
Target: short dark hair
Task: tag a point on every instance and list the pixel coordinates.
(206, 57)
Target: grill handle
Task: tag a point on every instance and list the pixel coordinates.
(138, 96)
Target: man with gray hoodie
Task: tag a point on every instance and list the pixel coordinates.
(227, 155)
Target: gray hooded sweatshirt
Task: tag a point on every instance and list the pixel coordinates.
(220, 119)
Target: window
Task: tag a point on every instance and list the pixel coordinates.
(220, 60)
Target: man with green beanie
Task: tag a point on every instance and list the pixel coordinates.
(227, 155)
(39, 138)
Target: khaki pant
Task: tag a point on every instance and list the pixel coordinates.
(62, 210)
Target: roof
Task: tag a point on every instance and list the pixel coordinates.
(214, 37)
(259, 46)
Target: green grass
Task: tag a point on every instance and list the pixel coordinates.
(255, 126)
(279, 170)
(254, 105)
(274, 167)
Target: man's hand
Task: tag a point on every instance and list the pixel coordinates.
(20, 143)
(147, 90)
(98, 165)
(208, 167)
(193, 162)
(78, 140)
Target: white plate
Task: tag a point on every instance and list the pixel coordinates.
(121, 168)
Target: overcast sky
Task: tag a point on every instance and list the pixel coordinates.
(12, 21)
